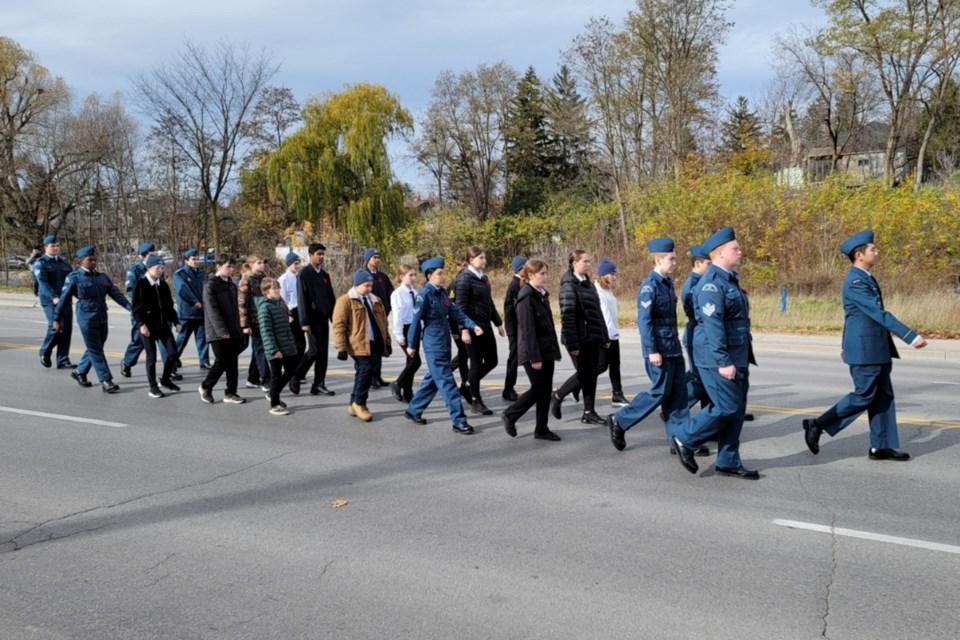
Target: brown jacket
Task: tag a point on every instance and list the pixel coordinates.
(350, 324)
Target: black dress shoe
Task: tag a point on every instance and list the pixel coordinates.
(702, 451)
(480, 408)
(108, 386)
(66, 365)
(412, 418)
(509, 426)
(380, 381)
(396, 391)
(811, 434)
(46, 362)
(294, 385)
(618, 399)
(749, 417)
(81, 379)
(591, 417)
(176, 377)
(464, 429)
(739, 472)
(125, 370)
(547, 435)
(555, 406)
(320, 390)
(685, 455)
(509, 396)
(888, 454)
(616, 433)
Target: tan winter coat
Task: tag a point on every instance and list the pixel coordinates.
(350, 324)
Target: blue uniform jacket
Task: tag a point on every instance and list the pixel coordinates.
(722, 337)
(188, 290)
(50, 274)
(686, 299)
(91, 289)
(657, 317)
(432, 314)
(866, 325)
(134, 273)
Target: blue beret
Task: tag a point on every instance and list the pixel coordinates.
(660, 245)
(697, 252)
(606, 267)
(723, 236)
(851, 243)
(86, 252)
(291, 258)
(50, 239)
(431, 263)
(153, 260)
(369, 253)
(518, 263)
(146, 247)
(361, 276)
(189, 253)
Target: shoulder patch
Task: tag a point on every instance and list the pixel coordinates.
(709, 287)
(646, 289)
(857, 281)
(708, 309)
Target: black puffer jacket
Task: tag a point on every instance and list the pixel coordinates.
(536, 335)
(474, 298)
(581, 319)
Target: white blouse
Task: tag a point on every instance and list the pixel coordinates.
(401, 310)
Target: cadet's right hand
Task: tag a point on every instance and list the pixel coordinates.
(341, 355)
(728, 372)
(920, 344)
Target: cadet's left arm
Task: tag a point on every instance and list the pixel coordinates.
(117, 295)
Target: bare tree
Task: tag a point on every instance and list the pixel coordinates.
(202, 101)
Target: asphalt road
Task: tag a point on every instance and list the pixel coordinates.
(174, 519)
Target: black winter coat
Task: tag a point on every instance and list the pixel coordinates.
(509, 306)
(221, 310)
(315, 297)
(581, 318)
(475, 299)
(536, 335)
(153, 305)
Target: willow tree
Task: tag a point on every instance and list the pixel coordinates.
(337, 167)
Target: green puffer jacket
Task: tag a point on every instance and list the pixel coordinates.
(275, 327)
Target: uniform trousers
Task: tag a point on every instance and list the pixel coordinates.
(94, 336)
(59, 339)
(439, 378)
(541, 386)
(873, 393)
(226, 355)
(668, 389)
(194, 326)
(722, 418)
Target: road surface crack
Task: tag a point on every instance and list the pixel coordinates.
(834, 544)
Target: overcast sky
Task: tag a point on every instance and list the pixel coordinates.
(100, 45)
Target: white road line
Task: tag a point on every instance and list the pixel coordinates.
(57, 416)
(866, 535)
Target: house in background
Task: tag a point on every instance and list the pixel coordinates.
(860, 157)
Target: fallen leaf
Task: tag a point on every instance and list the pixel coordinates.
(340, 503)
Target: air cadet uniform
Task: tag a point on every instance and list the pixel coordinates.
(188, 290)
(721, 339)
(432, 314)
(50, 273)
(91, 289)
(868, 349)
(695, 390)
(657, 322)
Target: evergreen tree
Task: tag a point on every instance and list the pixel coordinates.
(568, 127)
(741, 130)
(528, 153)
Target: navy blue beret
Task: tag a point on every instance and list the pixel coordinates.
(86, 252)
(697, 252)
(660, 245)
(723, 236)
(854, 241)
(431, 263)
(518, 263)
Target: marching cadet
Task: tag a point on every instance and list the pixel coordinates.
(50, 271)
(135, 348)
(660, 345)
(510, 325)
(382, 288)
(315, 300)
(868, 350)
(152, 308)
(431, 321)
(723, 353)
(91, 289)
(188, 289)
(701, 262)
(360, 331)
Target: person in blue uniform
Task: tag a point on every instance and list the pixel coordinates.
(701, 262)
(91, 289)
(188, 290)
(723, 352)
(50, 272)
(152, 307)
(868, 350)
(660, 346)
(134, 273)
(432, 314)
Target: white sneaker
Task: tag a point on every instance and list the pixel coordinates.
(232, 398)
(279, 410)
